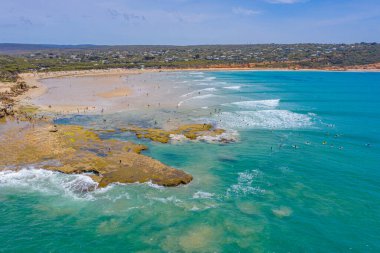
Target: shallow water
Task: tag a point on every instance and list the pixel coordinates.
(303, 177)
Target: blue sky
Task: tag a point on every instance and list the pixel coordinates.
(185, 22)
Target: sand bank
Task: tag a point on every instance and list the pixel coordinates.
(117, 92)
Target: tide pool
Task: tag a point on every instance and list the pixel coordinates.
(303, 175)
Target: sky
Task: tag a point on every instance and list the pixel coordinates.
(188, 22)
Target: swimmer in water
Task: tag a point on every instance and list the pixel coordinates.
(324, 142)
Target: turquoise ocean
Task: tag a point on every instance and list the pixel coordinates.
(303, 175)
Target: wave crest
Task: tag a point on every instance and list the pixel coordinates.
(272, 119)
(232, 87)
(257, 104)
(48, 182)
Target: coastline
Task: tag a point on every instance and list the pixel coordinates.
(34, 79)
(240, 185)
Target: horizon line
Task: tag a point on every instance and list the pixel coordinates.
(188, 45)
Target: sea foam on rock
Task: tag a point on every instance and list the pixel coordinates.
(81, 151)
(49, 182)
(204, 132)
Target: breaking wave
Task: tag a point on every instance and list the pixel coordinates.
(74, 186)
(273, 119)
(196, 73)
(47, 182)
(232, 87)
(197, 97)
(257, 104)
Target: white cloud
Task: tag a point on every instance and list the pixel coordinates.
(244, 11)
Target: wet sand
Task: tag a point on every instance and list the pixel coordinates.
(147, 94)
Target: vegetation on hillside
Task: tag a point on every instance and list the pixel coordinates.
(18, 58)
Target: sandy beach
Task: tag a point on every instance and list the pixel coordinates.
(105, 88)
(143, 92)
(95, 86)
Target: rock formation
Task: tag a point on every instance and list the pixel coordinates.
(191, 132)
(73, 150)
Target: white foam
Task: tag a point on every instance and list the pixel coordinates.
(272, 119)
(177, 137)
(257, 104)
(48, 182)
(195, 208)
(171, 199)
(203, 195)
(209, 83)
(153, 185)
(204, 96)
(228, 136)
(196, 73)
(209, 89)
(246, 184)
(197, 98)
(232, 87)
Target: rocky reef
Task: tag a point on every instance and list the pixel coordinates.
(189, 132)
(73, 150)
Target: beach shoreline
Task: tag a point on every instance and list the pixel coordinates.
(33, 77)
(35, 80)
